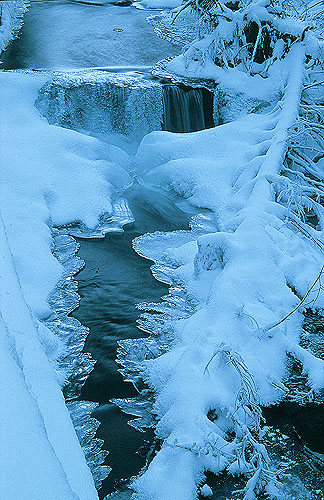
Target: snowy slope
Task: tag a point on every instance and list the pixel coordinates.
(49, 176)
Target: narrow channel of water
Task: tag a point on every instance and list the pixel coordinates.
(114, 279)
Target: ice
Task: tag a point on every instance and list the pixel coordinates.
(11, 17)
(103, 102)
(127, 104)
(120, 216)
(218, 343)
(67, 35)
(206, 491)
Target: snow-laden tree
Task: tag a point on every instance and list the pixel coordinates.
(242, 277)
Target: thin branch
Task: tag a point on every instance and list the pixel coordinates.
(300, 303)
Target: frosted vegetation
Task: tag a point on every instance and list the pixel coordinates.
(227, 338)
(11, 14)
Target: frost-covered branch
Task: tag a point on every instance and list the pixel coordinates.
(11, 18)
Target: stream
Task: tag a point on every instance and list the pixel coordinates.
(64, 34)
(116, 39)
(113, 281)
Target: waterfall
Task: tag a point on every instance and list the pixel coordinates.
(187, 109)
(132, 105)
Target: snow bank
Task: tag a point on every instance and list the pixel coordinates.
(49, 176)
(222, 352)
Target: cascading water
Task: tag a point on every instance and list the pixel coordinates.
(187, 109)
(102, 102)
(93, 101)
(124, 103)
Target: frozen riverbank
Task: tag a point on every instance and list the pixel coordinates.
(49, 176)
(229, 337)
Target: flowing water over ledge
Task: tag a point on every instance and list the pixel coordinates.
(113, 281)
(132, 103)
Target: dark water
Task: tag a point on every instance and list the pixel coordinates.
(114, 279)
(187, 109)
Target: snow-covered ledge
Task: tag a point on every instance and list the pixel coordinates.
(49, 177)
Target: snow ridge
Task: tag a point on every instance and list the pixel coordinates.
(46, 444)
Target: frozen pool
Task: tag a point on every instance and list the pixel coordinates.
(63, 34)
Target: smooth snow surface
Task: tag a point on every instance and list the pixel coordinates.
(49, 176)
(65, 35)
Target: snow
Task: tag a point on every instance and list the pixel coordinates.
(41, 448)
(240, 279)
(74, 181)
(233, 312)
(196, 63)
(50, 176)
(206, 491)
